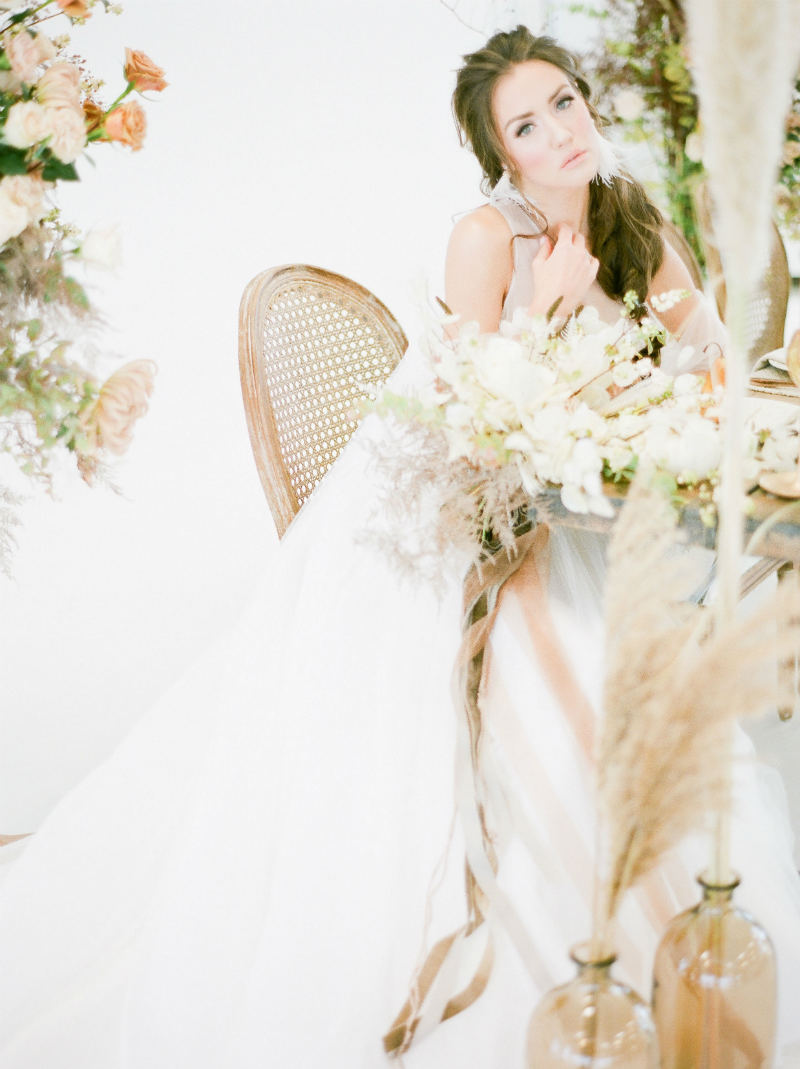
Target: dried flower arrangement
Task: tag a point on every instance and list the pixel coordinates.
(540, 405)
(51, 399)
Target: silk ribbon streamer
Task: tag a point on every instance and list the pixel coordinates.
(488, 905)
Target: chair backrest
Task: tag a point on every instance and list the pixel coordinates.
(312, 344)
(678, 241)
(766, 314)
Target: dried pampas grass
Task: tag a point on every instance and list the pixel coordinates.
(676, 680)
(744, 58)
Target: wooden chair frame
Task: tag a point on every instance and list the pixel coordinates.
(327, 362)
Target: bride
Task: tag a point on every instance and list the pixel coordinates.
(257, 873)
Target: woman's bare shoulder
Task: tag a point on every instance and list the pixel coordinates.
(484, 227)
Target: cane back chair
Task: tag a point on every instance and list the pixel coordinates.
(312, 346)
(679, 243)
(766, 315)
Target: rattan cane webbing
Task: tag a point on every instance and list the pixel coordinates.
(323, 353)
(315, 345)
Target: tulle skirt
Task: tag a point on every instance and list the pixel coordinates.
(255, 874)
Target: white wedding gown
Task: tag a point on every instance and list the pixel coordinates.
(245, 882)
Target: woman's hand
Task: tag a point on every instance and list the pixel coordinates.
(563, 270)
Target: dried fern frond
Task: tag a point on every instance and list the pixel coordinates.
(676, 681)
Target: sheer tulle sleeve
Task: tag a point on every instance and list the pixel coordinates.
(704, 331)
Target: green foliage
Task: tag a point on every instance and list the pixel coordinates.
(643, 48)
(43, 392)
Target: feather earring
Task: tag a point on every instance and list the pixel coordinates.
(608, 162)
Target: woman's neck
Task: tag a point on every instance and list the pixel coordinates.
(569, 207)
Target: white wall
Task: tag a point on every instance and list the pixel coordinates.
(293, 130)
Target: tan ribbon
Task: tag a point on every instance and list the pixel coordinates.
(483, 584)
(480, 605)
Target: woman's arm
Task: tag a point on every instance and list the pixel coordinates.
(478, 268)
(692, 321)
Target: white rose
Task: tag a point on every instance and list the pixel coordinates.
(27, 124)
(67, 133)
(102, 247)
(629, 105)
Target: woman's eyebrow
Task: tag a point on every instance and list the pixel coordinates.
(528, 114)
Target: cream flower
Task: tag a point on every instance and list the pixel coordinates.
(122, 400)
(629, 105)
(59, 86)
(23, 54)
(45, 47)
(27, 124)
(21, 203)
(67, 133)
(102, 247)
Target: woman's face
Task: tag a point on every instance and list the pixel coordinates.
(545, 127)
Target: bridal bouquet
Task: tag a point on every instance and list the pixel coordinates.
(51, 113)
(507, 415)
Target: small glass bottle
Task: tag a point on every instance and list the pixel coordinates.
(594, 1021)
(715, 986)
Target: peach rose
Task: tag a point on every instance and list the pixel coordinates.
(26, 124)
(59, 86)
(67, 133)
(143, 73)
(127, 124)
(122, 400)
(76, 9)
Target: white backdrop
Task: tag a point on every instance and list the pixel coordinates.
(294, 130)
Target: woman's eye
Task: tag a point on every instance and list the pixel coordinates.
(525, 129)
(564, 102)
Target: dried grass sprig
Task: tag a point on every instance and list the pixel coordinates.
(676, 682)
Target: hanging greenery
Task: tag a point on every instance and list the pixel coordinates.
(641, 73)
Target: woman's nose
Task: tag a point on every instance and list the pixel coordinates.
(560, 133)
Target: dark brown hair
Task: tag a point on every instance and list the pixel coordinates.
(624, 226)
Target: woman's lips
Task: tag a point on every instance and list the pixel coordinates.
(576, 157)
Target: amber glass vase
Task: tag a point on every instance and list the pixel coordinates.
(714, 987)
(593, 1021)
